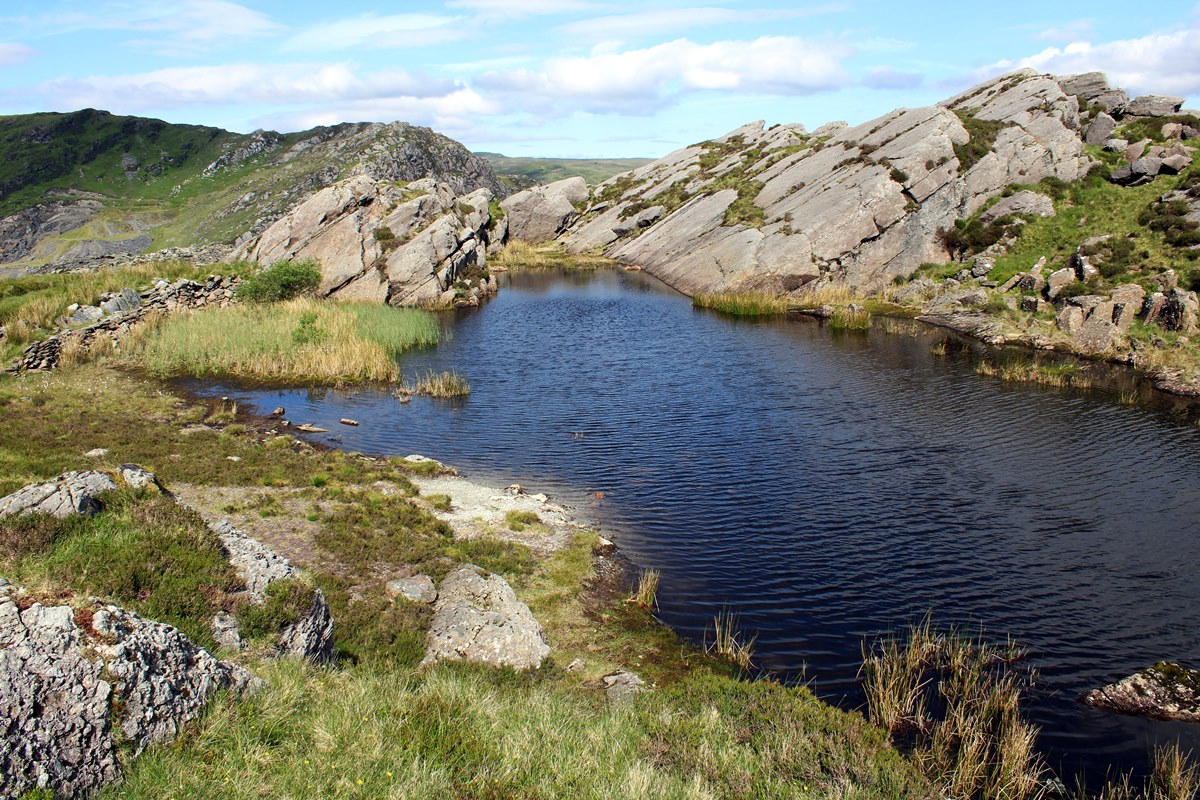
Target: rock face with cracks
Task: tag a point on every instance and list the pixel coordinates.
(70, 493)
(381, 242)
(775, 209)
(478, 618)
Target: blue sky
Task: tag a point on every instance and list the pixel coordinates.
(567, 78)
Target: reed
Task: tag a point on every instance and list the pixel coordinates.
(742, 304)
(441, 384)
(955, 701)
(299, 340)
(645, 594)
(518, 255)
(728, 642)
(850, 318)
(1017, 371)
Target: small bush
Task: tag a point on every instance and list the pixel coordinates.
(983, 133)
(283, 280)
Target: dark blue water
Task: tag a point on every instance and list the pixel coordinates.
(828, 488)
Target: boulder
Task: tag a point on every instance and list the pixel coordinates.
(1166, 280)
(1097, 335)
(120, 302)
(1128, 301)
(1152, 105)
(1100, 129)
(1164, 691)
(417, 589)
(1173, 165)
(1172, 130)
(1059, 280)
(1070, 320)
(1024, 202)
(86, 315)
(981, 266)
(1093, 88)
(61, 672)
(622, 687)
(1173, 311)
(478, 618)
(70, 493)
(541, 213)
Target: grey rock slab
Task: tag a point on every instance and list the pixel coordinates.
(1100, 129)
(478, 618)
(1173, 165)
(1097, 335)
(1153, 105)
(257, 564)
(1070, 320)
(1024, 202)
(70, 493)
(1163, 691)
(417, 589)
(1059, 280)
(541, 213)
(311, 636)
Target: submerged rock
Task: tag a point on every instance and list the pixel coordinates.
(478, 618)
(1163, 691)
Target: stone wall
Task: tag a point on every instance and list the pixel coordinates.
(117, 314)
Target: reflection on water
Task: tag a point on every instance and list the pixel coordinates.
(828, 488)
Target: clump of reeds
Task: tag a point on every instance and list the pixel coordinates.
(728, 641)
(954, 701)
(743, 304)
(441, 384)
(1019, 371)
(850, 318)
(518, 255)
(645, 593)
(1173, 776)
(939, 348)
(299, 340)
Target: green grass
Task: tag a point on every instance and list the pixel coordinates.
(283, 280)
(982, 134)
(742, 304)
(299, 340)
(520, 520)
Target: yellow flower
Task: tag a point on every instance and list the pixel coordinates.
(359, 781)
(389, 774)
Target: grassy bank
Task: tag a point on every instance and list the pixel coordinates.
(743, 304)
(376, 726)
(299, 340)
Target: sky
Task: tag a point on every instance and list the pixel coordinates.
(565, 78)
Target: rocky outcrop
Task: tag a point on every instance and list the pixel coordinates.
(478, 618)
(128, 309)
(1026, 202)
(543, 212)
(381, 242)
(417, 589)
(310, 636)
(69, 494)
(1163, 691)
(65, 672)
(777, 209)
(20, 233)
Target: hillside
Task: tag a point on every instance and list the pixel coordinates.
(521, 173)
(90, 183)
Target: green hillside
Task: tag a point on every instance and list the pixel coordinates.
(523, 172)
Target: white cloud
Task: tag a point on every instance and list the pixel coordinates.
(889, 78)
(184, 27)
(521, 8)
(233, 84)
(369, 30)
(453, 114)
(644, 24)
(643, 80)
(1162, 63)
(12, 54)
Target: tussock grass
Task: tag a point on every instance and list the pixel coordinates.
(520, 520)
(1060, 375)
(728, 641)
(441, 384)
(299, 340)
(850, 318)
(827, 294)
(743, 304)
(954, 701)
(518, 255)
(645, 594)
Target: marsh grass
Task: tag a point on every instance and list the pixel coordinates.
(1060, 375)
(298, 340)
(518, 255)
(1174, 775)
(645, 593)
(850, 319)
(728, 642)
(743, 304)
(441, 384)
(953, 701)
(520, 520)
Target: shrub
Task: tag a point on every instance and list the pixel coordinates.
(283, 280)
(983, 133)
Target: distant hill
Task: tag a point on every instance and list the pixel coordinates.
(521, 173)
(89, 182)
